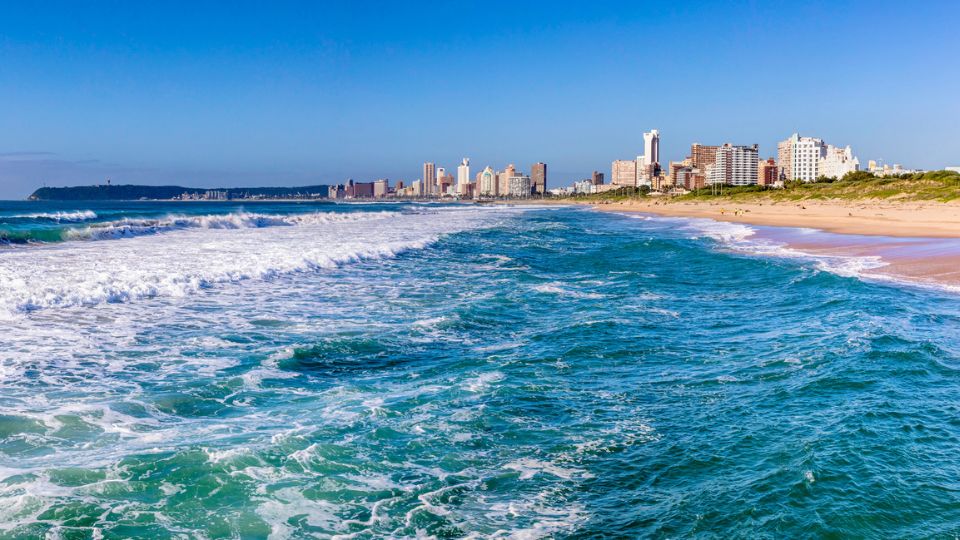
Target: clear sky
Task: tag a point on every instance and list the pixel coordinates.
(271, 93)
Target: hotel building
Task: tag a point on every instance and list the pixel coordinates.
(768, 173)
(381, 188)
(520, 186)
(837, 162)
(429, 173)
(463, 177)
(809, 158)
(734, 165)
(487, 183)
(538, 177)
(623, 172)
(503, 180)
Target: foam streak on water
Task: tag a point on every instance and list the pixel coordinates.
(418, 371)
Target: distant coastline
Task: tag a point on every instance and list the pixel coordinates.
(129, 192)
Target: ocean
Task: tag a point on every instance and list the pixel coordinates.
(322, 370)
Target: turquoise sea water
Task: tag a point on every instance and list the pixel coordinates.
(398, 370)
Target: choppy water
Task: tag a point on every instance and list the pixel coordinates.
(378, 371)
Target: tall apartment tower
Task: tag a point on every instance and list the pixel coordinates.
(785, 156)
(734, 165)
(623, 172)
(487, 183)
(428, 179)
(702, 156)
(463, 177)
(503, 179)
(538, 177)
(651, 147)
(597, 178)
(808, 158)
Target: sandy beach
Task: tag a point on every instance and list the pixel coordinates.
(863, 217)
(916, 242)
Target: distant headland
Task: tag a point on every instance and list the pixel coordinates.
(108, 192)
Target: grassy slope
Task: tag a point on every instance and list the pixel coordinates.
(942, 186)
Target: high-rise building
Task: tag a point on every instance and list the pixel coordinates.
(380, 188)
(648, 165)
(428, 178)
(463, 177)
(768, 172)
(538, 176)
(503, 180)
(444, 183)
(805, 158)
(785, 156)
(597, 178)
(651, 147)
(702, 156)
(837, 162)
(623, 172)
(809, 158)
(487, 183)
(734, 165)
(520, 186)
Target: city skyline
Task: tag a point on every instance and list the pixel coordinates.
(297, 96)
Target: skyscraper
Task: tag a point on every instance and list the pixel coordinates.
(503, 179)
(702, 156)
(487, 184)
(623, 172)
(808, 158)
(651, 147)
(734, 165)
(538, 177)
(428, 179)
(597, 178)
(463, 177)
(785, 156)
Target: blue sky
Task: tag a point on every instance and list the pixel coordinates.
(207, 94)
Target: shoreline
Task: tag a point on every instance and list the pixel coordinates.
(861, 217)
(916, 243)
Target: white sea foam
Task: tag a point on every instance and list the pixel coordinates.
(206, 251)
(528, 468)
(130, 227)
(562, 289)
(743, 238)
(79, 215)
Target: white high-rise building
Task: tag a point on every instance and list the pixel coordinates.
(520, 186)
(837, 162)
(807, 152)
(735, 166)
(651, 146)
(463, 177)
(649, 162)
(487, 186)
(809, 158)
(642, 172)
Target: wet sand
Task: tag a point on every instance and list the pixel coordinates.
(913, 242)
(873, 218)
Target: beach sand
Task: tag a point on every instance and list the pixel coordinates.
(864, 217)
(917, 242)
